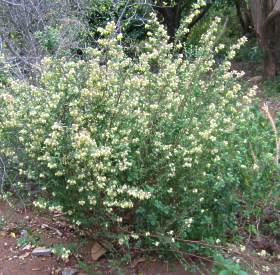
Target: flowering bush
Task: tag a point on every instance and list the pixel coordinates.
(155, 149)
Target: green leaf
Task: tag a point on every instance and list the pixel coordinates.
(224, 272)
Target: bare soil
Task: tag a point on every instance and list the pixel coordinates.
(18, 260)
(53, 230)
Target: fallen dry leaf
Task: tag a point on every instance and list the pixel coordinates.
(45, 226)
(24, 255)
(27, 247)
(97, 251)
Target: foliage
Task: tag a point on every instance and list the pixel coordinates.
(251, 52)
(151, 151)
(31, 30)
(28, 239)
(2, 222)
(62, 252)
(227, 267)
(271, 87)
(130, 16)
(4, 71)
(230, 30)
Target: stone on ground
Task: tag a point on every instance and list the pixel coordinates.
(69, 271)
(41, 251)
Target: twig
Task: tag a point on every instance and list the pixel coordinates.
(3, 176)
(273, 124)
(118, 25)
(11, 3)
(222, 32)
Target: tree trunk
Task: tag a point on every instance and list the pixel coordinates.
(266, 20)
(243, 15)
(172, 14)
(271, 40)
(171, 18)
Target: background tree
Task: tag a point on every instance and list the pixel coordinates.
(244, 15)
(263, 18)
(266, 21)
(33, 29)
(30, 30)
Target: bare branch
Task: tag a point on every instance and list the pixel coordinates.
(11, 3)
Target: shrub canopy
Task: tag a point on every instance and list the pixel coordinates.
(159, 143)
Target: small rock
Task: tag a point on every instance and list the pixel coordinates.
(41, 251)
(69, 271)
(27, 247)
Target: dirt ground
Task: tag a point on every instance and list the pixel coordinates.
(18, 260)
(49, 231)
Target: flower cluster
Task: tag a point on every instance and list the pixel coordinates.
(62, 252)
(158, 143)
